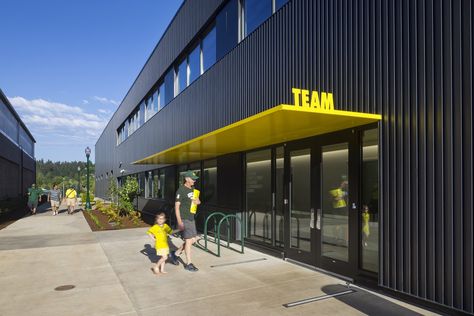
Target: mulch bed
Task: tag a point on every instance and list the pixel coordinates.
(104, 221)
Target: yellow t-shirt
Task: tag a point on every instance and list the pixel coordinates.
(161, 235)
(70, 194)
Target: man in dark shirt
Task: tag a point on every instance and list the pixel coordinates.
(184, 199)
(34, 195)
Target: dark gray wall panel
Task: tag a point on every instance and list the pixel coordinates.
(410, 61)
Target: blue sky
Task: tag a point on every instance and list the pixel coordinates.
(65, 65)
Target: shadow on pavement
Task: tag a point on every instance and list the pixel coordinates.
(150, 252)
(367, 303)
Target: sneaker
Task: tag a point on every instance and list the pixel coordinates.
(174, 258)
(191, 267)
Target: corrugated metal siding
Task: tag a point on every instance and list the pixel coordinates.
(410, 61)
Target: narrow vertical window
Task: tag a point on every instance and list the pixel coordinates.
(280, 3)
(169, 87)
(256, 12)
(227, 24)
(162, 96)
(194, 66)
(182, 76)
(209, 50)
(155, 101)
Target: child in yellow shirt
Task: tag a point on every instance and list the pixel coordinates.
(365, 225)
(159, 232)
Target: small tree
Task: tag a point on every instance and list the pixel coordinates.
(113, 190)
(127, 193)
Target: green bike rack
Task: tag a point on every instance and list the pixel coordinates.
(212, 215)
(226, 217)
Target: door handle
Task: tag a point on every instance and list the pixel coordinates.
(318, 219)
(311, 221)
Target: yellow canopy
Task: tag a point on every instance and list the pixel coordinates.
(277, 125)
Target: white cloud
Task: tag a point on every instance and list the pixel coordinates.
(85, 102)
(105, 100)
(104, 111)
(53, 122)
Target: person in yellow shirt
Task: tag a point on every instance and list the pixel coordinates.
(365, 225)
(70, 199)
(159, 233)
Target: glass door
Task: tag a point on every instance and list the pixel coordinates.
(299, 201)
(338, 157)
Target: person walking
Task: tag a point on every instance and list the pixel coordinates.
(71, 195)
(34, 195)
(54, 197)
(159, 232)
(185, 217)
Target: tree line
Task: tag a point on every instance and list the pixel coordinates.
(64, 172)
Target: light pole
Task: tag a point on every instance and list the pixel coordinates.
(79, 185)
(88, 201)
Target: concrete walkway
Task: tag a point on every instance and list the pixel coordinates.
(111, 274)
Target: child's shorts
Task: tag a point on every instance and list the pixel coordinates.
(162, 251)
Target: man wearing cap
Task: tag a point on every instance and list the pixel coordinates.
(185, 219)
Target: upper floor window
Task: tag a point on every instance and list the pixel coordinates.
(182, 77)
(169, 86)
(194, 64)
(227, 28)
(161, 96)
(209, 50)
(8, 123)
(155, 101)
(255, 13)
(280, 3)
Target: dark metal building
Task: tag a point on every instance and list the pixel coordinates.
(17, 153)
(386, 199)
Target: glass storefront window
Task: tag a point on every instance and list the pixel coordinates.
(227, 26)
(256, 12)
(161, 185)
(258, 187)
(209, 180)
(194, 64)
(279, 207)
(149, 185)
(209, 50)
(334, 197)
(369, 218)
(141, 183)
(182, 77)
(300, 199)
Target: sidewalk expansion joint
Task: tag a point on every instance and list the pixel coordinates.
(317, 298)
(239, 262)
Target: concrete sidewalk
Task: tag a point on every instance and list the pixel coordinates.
(111, 274)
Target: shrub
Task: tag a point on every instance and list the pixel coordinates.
(84, 196)
(127, 194)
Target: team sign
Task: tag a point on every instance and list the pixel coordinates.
(310, 99)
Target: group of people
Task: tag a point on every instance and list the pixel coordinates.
(187, 198)
(54, 197)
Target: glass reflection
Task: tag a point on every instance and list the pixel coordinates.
(258, 194)
(300, 199)
(279, 210)
(369, 218)
(335, 193)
